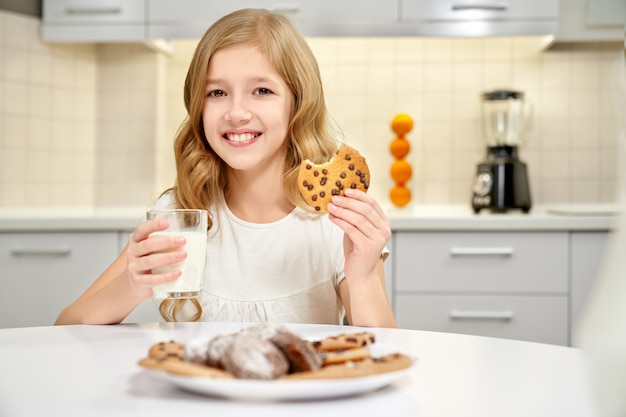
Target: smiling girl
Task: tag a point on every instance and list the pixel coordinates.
(256, 110)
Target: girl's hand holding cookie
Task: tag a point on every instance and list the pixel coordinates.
(144, 254)
(367, 230)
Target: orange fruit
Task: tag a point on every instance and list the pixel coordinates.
(400, 195)
(399, 147)
(402, 124)
(401, 171)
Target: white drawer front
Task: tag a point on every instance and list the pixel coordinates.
(94, 11)
(42, 273)
(482, 262)
(537, 319)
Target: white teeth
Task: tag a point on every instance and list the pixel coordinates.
(241, 138)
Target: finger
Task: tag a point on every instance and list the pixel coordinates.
(145, 228)
(359, 213)
(366, 198)
(152, 280)
(150, 262)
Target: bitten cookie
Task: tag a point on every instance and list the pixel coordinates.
(320, 182)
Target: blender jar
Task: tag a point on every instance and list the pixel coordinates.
(505, 117)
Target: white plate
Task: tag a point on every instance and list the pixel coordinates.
(279, 390)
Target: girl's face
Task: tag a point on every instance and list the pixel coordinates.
(246, 109)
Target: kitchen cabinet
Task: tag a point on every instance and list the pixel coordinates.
(591, 20)
(587, 254)
(479, 18)
(502, 284)
(43, 272)
(93, 20)
(191, 18)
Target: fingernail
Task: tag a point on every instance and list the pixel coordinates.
(349, 192)
(180, 240)
(163, 223)
(331, 206)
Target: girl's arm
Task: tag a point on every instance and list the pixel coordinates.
(366, 232)
(366, 301)
(128, 280)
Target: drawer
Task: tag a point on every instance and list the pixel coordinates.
(482, 262)
(94, 11)
(536, 319)
(42, 273)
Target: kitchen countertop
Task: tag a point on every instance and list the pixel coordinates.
(582, 217)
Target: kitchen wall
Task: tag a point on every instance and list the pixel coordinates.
(84, 124)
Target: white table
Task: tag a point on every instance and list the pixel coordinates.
(92, 371)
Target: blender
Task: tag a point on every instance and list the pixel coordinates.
(501, 182)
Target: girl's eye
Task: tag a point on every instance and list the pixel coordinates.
(216, 93)
(262, 91)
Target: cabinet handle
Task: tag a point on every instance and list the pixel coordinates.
(499, 6)
(481, 315)
(43, 252)
(503, 251)
(92, 10)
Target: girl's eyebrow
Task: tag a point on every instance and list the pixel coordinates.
(254, 79)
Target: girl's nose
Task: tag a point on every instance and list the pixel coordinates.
(237, 111)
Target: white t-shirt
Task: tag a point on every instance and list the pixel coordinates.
(287, 271)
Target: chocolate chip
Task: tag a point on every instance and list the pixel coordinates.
(351, 167)
(314, 197)
(338, 183)
(353, 186)
(316, 173)
(310, 187)
(334, 192)
(322, 194)
(309, 166)
(358, 172)
(323, 181)
(348, 157)
(317, 208)
(325, 171)
(343, 175)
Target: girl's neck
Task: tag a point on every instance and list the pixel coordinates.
(257, 197)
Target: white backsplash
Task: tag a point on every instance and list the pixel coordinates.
(86, 124)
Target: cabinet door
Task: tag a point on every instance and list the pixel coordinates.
(482, 262)
(481, 18)
(191, 18)
(539, 319)
(587, 255)
(93, 11)
(93, 20)
(44, 272)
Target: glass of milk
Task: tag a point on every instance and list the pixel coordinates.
(192, 225)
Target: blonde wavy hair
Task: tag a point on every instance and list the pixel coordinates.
(311, 134)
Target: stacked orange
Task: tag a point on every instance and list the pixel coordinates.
(401, 170)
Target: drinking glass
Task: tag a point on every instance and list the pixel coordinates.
(192, 225)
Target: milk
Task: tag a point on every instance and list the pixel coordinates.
(189, 283)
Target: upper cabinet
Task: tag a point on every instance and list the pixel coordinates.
(479, 17)
(191, 18)
(591, 20)
(144, 20)
(93, 20)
